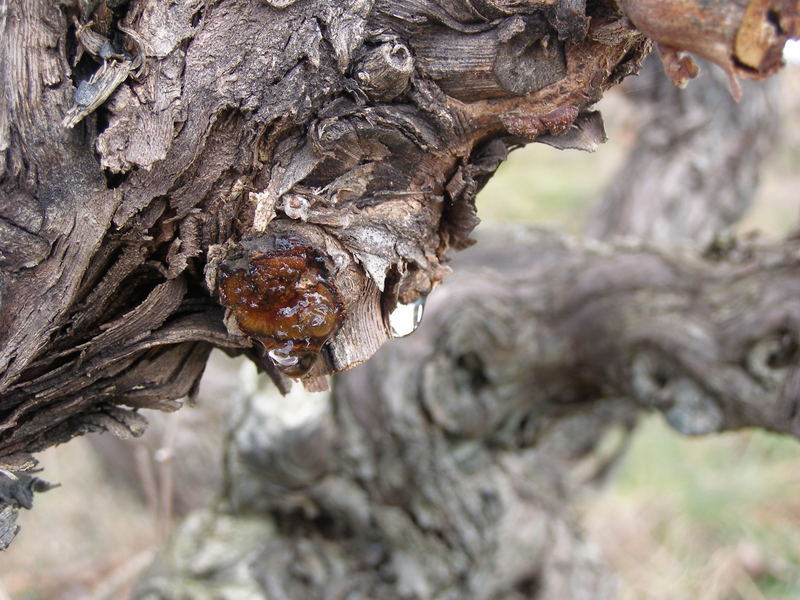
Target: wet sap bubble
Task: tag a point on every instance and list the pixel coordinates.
(282, 297)
(405, 318)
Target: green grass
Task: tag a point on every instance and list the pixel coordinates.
(719, 514)
(540, 184)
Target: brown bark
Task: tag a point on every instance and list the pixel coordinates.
(240, 133)
(744, 37)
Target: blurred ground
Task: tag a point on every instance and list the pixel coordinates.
(702, 519)
(715, 518)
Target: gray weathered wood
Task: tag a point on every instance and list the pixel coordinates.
(693, 170)
(445, 466)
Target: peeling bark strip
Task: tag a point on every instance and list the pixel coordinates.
(16, 491)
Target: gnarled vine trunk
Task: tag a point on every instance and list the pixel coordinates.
(271, 178)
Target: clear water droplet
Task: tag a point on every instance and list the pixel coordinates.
(405, 318)
(292, 362)
(282, 360)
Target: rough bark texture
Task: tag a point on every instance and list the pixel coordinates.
(200, 142)
(158, 159)
(341, 502)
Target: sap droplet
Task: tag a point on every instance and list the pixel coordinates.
(405, 318)
(280, 293)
